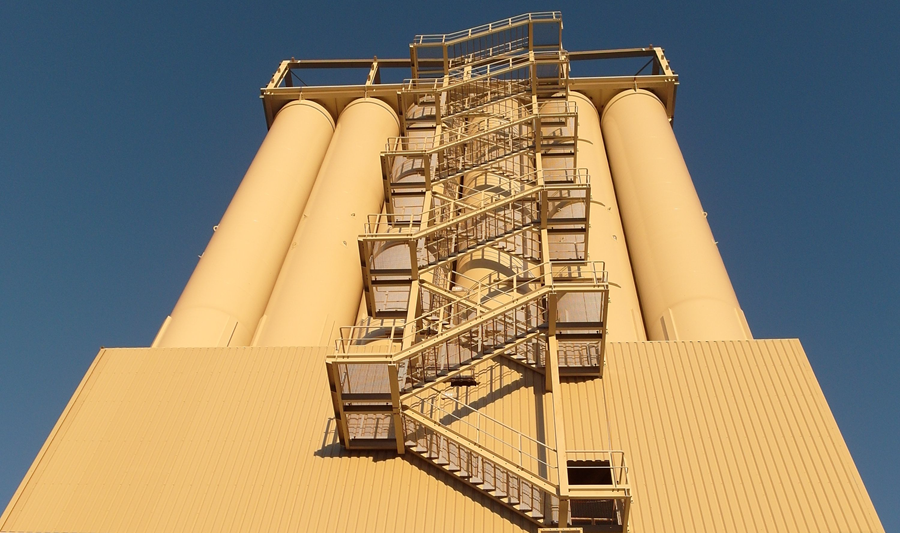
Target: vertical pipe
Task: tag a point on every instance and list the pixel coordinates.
(227, 293)
(319, 287)
(606, 238)
(683, 285)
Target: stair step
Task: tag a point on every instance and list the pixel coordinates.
(463, 474)
(476, 481)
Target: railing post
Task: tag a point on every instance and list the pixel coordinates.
(520, 451)
(478, 427)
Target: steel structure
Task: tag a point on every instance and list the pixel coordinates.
(493, 269)
(481, 253)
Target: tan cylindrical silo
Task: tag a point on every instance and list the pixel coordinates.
(227, 293)
(606, 238)
(320, 284)
(684, 288)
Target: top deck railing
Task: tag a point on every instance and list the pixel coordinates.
(435, 55)
(449, 38)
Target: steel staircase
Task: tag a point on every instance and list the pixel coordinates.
(401, 247)
(511, 484)
(479, 260)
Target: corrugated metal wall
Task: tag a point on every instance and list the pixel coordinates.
(722, 436)
(719, 436)
(227, 439)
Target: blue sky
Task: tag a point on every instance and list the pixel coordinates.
(125, 129)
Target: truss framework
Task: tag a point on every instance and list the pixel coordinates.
(480, 257)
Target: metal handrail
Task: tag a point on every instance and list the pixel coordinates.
(448, 38)
(402, 145)
(598, 276)
(402, 223)
(489, 289)
(486, 292)
(550, 465)
(496, 68)
(424, 146)
(397, 222)
(509, 47)
(614, 466)
(348, 335)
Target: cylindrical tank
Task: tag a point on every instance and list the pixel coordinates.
(606, 238)
(227, 293)
(319, 287)
(684, 288)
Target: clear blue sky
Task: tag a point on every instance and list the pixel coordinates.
(125, 129)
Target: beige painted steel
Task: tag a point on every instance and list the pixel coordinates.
(319, 287)
(506, 392)
(684, 288)
(227, 293)
(721, 436)
(335, 98)
(606, 238)
(477, 266)
(238, 439)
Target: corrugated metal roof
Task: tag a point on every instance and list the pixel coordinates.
(719, 436)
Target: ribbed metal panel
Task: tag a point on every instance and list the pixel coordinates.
(227, 439)
(721, 436)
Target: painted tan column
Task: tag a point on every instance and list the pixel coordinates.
(227, 293)
(682, 282)
(319, 287)
(606, 238)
